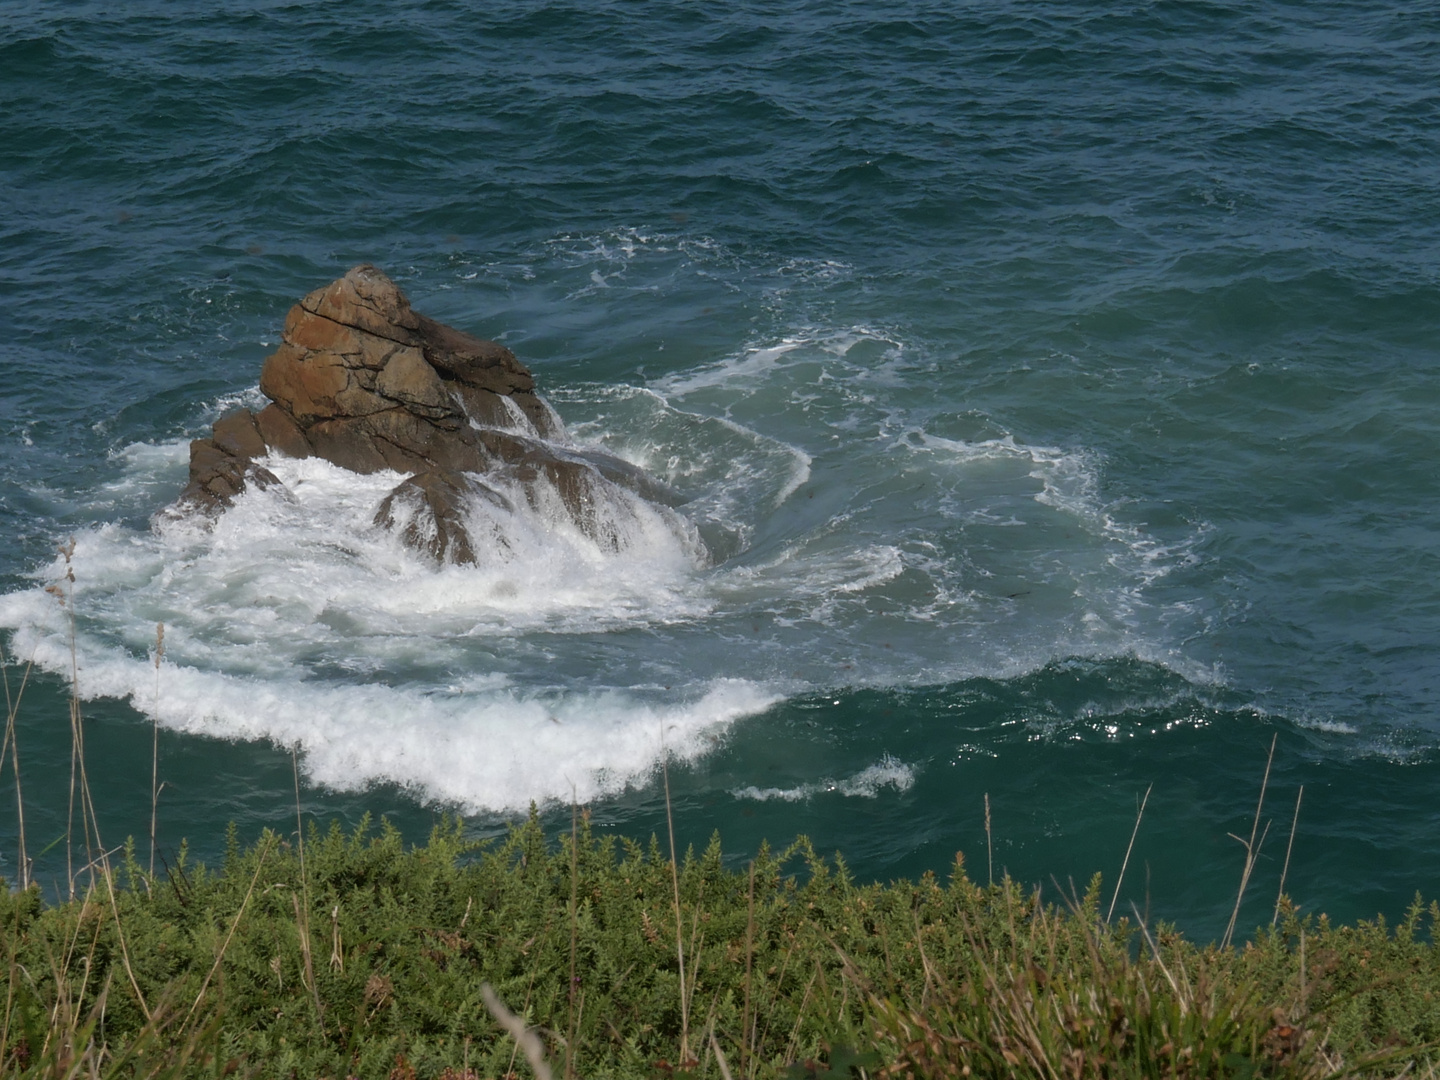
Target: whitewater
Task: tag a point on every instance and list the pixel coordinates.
(1052, 394)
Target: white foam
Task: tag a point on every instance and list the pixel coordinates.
(248, 398)
(1329, 727)
(759, 363)
(732, 473)
(558, 659)
(753, 365)
(294, 618)
(484, 747)
(869, 783)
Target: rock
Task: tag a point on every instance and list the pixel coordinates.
(217, 476)
(365, 382)
(408, 379)
(280, 432)
(369, 301)
(315, 386)
(430, 509)
(621, 472)
(239, 435)
(481, 364)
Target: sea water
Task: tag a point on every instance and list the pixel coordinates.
(1054, 392)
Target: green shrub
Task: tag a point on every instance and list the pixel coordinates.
(364, 958)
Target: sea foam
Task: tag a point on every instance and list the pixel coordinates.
(888, 547)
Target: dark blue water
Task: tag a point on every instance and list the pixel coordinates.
(1063, 382)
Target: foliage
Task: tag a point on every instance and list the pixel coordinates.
(356, 956)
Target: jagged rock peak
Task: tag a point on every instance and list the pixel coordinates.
(367, 383)
(363, 380)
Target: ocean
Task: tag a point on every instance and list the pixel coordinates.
(1056, 390)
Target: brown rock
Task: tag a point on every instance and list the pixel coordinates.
(280, 431)
(408, 379)
(572, 480)
(306, 385)
(484, 364)
(367, 300)
(347, 442)
(396, 439)
(620, 472)
(217, 476)
(540, 415)
(430, 509)
(238, 434)
(364, 352)
(368, 384)
(486, 408)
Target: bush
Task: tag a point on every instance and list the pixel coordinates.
(359, 957)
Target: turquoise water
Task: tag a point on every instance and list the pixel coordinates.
(1057, 391)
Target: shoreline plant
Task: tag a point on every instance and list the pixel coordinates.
(375, 960)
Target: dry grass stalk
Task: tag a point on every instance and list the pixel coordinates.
(124, 946)
(337, 944)
(989, 846)
(11, 743)
(775, 992)
(745, 1023)
(574, 932)
(794, 1039)
(66, 601)
(155, 743)
(302, 902)
(69, 1048)
(675, 881)
(1128, 848)
(525, 1008)
(525, 1039)
(720, 1058)
(234, 925)
(1181, 998)
(696, 954)
(928, 983)
(80, 777)
(1288, 847)
(1252, 847)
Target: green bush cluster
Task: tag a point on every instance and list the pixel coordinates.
(361, 957)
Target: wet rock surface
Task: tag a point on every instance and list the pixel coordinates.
(365, 382)
(430, 509)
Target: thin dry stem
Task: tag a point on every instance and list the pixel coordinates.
(800, 1013)
(235, 925)
(749, 965)
(779, 984)
(124, 946)
(720, 1058)
(1155, 951)
(1252, 850)
(1128, 848)
(155, 744)
(12, 709)
(989, 846)
(90, 820)
(530, 986)
(924, 961)
(574, 930)
(1289, 845)
(675, 880)
(302, 910)
(525, 1039)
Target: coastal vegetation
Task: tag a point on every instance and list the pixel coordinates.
(334, 954)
